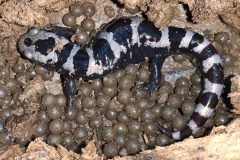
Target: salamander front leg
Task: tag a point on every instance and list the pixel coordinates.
(155, 75)
(69, 88)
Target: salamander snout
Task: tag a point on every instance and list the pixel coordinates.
(41, 46)
(30, 43)
(25, 46)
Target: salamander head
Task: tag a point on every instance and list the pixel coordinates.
(41, 46)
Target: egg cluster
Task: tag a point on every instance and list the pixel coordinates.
(87, 27)
(13, 83)
(223, 44)
(121, 121)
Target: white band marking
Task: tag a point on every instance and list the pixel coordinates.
(193, 126)
(69, 65)
(92, 66)
(136, 21)
(204, 111)
(186, 39)
(201, 46)
(115, 47)
(212, 87)
(176, 135)
(208, 63)
(164, 41)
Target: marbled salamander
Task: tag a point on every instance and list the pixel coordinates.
(128, 40)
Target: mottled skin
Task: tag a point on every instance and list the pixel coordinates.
(125, 41)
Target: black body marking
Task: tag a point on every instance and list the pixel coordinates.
(62, 31)
(28, 42)
(124, 41)
(44, 46)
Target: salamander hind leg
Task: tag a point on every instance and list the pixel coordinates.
(155, 75)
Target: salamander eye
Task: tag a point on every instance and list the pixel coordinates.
(33, 31)
(28, 54)
(28, 42)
